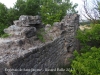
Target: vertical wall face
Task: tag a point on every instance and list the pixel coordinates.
(71, 24)
(50, 55)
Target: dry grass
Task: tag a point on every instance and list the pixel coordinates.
(84, 27)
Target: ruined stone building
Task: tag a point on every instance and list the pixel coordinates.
(35, 46)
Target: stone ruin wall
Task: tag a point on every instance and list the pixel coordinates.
(23, 50)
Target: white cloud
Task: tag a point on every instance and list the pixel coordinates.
(79, 2)
(8, 3)
(79, 8)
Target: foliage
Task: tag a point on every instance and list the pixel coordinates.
(3, 13)
(88, 61)
(5, 35)
(23, 7)
(90, 37)
(27, 7)
(98, 8)
(53, 11)
(2, 27)
(91, 13)
(49, 10)
(12, 15)
(40, 35)
(3, 18)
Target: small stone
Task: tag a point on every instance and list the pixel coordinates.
(17, 22)
(13, 29)
(47, 27)
(30, 32)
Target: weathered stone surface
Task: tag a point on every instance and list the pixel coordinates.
(13, 29)
(3, 68)
(57, 24)
(47, 27)
(26, 26)
(25, 53)
(17, 23)
(30, 32)
(21, 31)
(25, 20)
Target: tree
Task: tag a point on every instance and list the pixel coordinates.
(54, 10)
(3, 18)
(49, 10)
(3, 13)
(12, 15)
(92, 11)
(32, 7)
(23, 7)
(27, 7)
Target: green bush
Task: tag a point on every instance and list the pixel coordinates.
(40, 35)
(5, 35)
(87, 62)
(54, 10)
(2, 27)
(90, 37)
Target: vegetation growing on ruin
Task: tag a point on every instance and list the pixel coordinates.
(5, 35)
(40, 35)
(87, 60)
(49, 10)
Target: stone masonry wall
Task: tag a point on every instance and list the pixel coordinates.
(48, 55)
